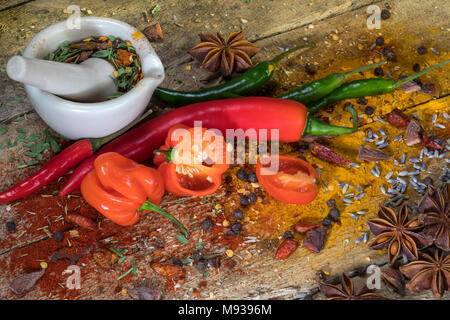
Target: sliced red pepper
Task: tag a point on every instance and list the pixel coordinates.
(190, 165)
(293, 182)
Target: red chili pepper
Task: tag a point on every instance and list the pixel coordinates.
(400, 120)
(294, 181)
(190, 165)
(288, 117)
(60, 164)
(327, 154)
(54, 169)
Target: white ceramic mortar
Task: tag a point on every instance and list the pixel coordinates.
(75, 120)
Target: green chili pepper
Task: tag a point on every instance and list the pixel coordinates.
(242, 85)
(317, 127)
(366, 87)
(319, 88)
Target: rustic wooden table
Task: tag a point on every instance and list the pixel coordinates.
(338, 27)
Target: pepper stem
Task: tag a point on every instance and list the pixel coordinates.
(96, 143)
(316, 127)
(399, 83)
(277, 59)
(170, 154)
(370, 66)
(153, 207)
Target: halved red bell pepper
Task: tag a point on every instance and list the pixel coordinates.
(121, 189)
(292, 180)
(192, 161)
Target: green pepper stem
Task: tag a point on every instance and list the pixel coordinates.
(96, 143)
(277, 59)
(153, 207)
(316, 127)
(170, 154)
(399, 83)
(370, 66)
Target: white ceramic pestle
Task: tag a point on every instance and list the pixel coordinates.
(89, 81)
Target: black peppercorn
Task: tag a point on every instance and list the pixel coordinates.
(326, 222)
(362, 101)
(242, 175)
(288, 235)
(207, 224)
(390, 55)
(378, 72)
(369, 110)
(334, 214)
(196, 256)
(385, 14)
(310, 69)
(11, 226)
(202, 265)
(244, 201)
(238, 214)
(58, 235)
(252, 197)
(252, 177)
(428, 181)
(331, 203)
(379, 41)
(236, 227)
(177, 262)
(422, 50)
(416, 67)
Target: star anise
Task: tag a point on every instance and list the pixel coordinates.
(435, 216)
(397, 233)
(347, 292)
(227, 56)
(429, 273)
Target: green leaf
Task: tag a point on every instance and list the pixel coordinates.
(18, 99)
(3, 131)
(112, 38)
(182, 238)
(101, 54)
(187, 260)
(156, 9)
(55, 146)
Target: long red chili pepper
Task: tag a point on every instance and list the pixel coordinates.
(290, 118)
(60, 164)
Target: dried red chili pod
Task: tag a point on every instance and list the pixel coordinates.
(286, 248)
(81, 221)
(398, 119)
(327, 154)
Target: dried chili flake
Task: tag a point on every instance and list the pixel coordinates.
(315, 239)
(366, 154)
(327, 154)
(430, 143)
(286, 248)
(398, 119)
(168, 269)
(81, 221)
(305, 226)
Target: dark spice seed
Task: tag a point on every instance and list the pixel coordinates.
(236, 227)
(242, 175)
(177, 262)
(11, 226)
(379, 41)
(369, 111)
(252, 177)
(202, 264)
(416, 67)
(310, 68)
(238, 214)
(362, 101)
(244, 201)
(331, 203)
(378, 72)
(390, 55)
(334, 214)
(196, 256)
(326, 222)
(230, 233)
(252, 197)
(428, 181)
(228, 179)
(288, 235)
(422, 50)
(58, 235)
(207, 224)
(385, 14)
